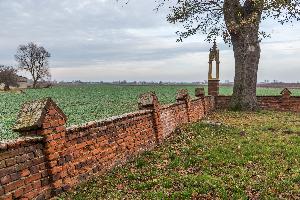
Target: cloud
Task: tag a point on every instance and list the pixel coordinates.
(106, 40)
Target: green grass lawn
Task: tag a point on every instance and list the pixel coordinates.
(250, 155)
(93, 102)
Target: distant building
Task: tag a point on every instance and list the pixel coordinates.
(24, 82)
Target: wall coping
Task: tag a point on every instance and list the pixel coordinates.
(197, 99)
(166, 106)
(107, 121)
(298, 97)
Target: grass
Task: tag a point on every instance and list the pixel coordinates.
(248, 156)
(93, 102)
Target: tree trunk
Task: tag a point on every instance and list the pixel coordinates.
(6, 87)
(246, 47)
(34, 84)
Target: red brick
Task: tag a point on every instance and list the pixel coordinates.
(10, 162)
(61, 122)
(1, 191)
(53, 156)
(32, 178)
(5, 180)
(55, 170)
(2, 164)
(28, 188)
(6, 154)
(18, 193)
(25, 172)
(46, 125)
(52, 150)
(31, 195)
(14, 185)
(37, 184)
(48, 132)
(60, 129)
(54, 123)
(57, 184)
(52, 112)
(56, 136)
(7, 197)
(37, 161)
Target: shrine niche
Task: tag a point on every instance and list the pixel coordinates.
(214, 62)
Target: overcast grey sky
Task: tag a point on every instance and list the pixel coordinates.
(94, 40)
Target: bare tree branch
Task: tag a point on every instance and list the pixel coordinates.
(34, 59)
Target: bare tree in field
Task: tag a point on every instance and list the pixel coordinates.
(34, 59)
(8, 77)
(238, 23)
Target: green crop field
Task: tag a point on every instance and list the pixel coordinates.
(93, 102)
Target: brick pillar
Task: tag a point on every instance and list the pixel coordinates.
(184, 97)
(200, 93)
(213, 87)
(285, 99)
(149, 101)
(44, 118)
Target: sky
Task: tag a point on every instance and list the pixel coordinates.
(105, 40)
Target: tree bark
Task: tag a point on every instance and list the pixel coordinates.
(34, 84)
(6, 87)
(246, 47)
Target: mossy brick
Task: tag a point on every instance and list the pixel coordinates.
(15, 176)
(32, 114)
(22, 166)
(147, 100)
(182, 94)
(6, 171)
(45, 181)
(41, 197)
(37, 161)
(34, 169)
(199, 92)
(7, 154)
(56, 177)
(44, 173)
(2, 164)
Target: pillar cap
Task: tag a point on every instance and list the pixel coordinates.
(182, 94)
(285, 91)
(32, 114)
(147, 99)
(199, 92)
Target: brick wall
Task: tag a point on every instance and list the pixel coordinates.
(51, 158)
(24, 170)
(285, 102)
